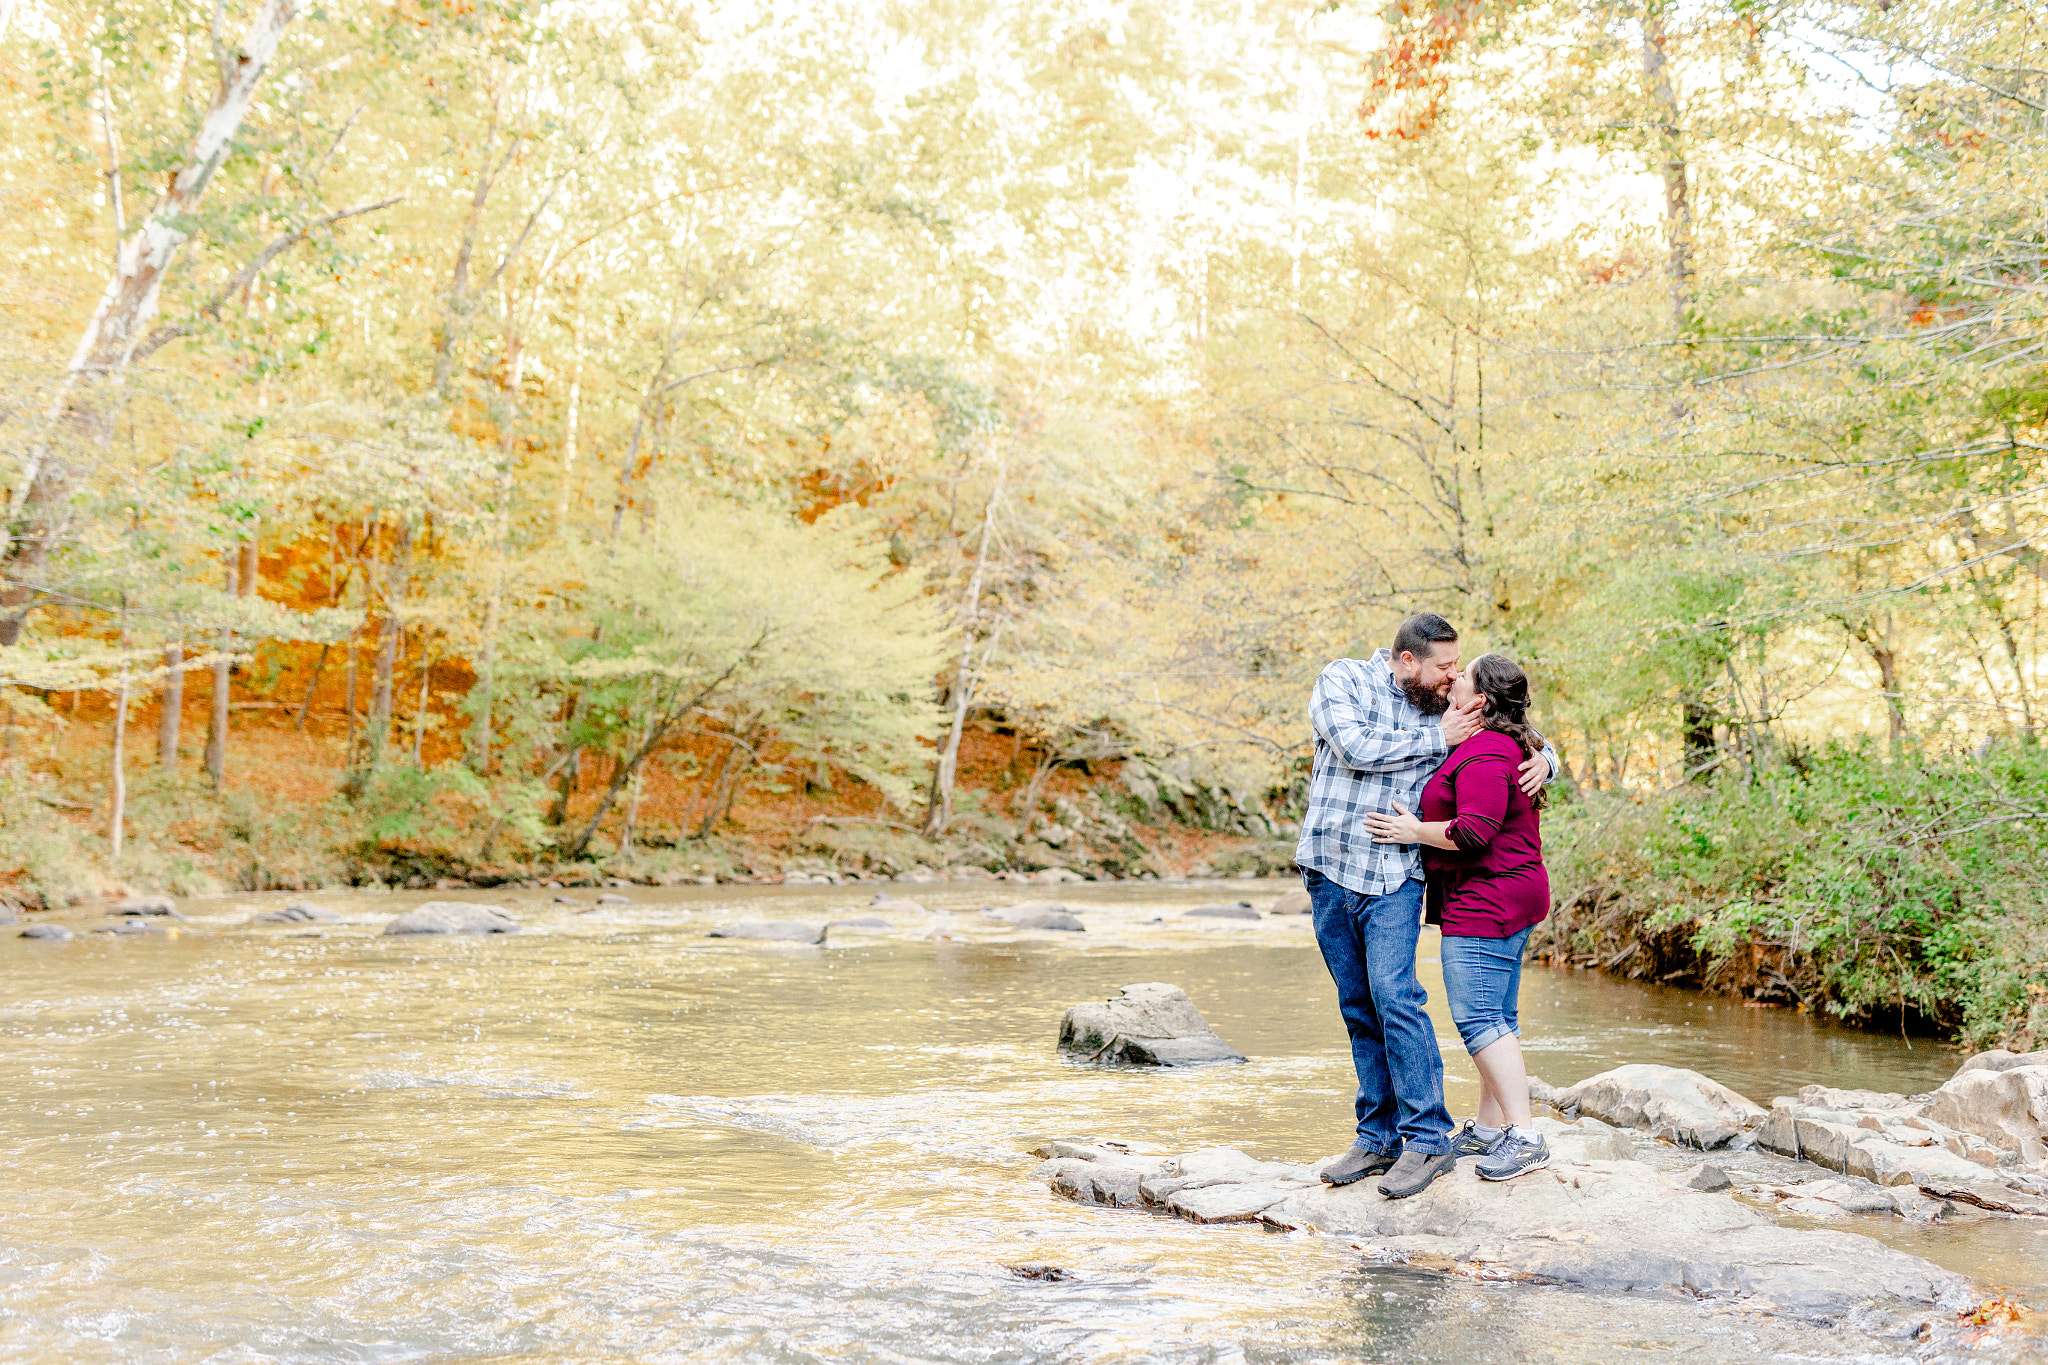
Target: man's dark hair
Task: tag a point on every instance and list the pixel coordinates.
(1421, 631)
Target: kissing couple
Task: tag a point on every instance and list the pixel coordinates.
(1423, 803)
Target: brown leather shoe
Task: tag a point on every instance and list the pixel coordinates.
(1413, 1173)
(1356, 1165)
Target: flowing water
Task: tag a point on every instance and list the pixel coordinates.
(610, 1138)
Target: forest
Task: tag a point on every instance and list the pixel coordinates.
(489, 439)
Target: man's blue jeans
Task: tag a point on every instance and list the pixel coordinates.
(1368, 944)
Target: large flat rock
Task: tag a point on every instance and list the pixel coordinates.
(1150, 1023)
(1597, 1224)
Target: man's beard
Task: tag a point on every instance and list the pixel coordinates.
(1428, 701)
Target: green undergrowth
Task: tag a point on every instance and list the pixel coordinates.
(1899, 893)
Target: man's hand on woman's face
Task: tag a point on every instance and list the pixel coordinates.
(1462, 722)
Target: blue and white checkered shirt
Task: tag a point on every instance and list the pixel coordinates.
(1373, 750)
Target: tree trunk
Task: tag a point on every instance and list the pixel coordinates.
(1670, 159)
(939, 810)
(173, 706)
(1696, 730)
(117, 787)
(217, 718)
(84, 412)
(387, 647)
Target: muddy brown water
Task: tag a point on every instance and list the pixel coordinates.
(610, 1138)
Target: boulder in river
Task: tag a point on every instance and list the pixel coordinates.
(1602, 1225)
(162, 906)
(1036, 915)
(773, 931)
(1673, 1103)
(453, 917)
(1147, 1024)
(884, 901)
(860, 922)
(50, 933)
(2006, 1105)
(1234, 910)
(298, 912)
(613, 898)
(1295, 902)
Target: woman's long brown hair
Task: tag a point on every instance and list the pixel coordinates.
(1505, 686)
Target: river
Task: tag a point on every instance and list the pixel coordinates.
(610, 1138)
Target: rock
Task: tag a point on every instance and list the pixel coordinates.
(1036, 915)
(147, 905)
(1581, 1225)
(2007, 1107)
(861, 922)
(1295, 902)
(884, 901)
(453, 917)
(139, 926)
(919, 873)
(1707, 1177)
(1998, 1059)
(568, 900)
(773, 931)
(1895, 1154)
(51, 933)
(9, 914)
(451, 884)
(1671, 1102)
(298, 912)
(1831, 1198)
(1148, 1024)
(1235, 910)
(612, 898)
(1052, 876)
(1985, 1194)
(1588, 1139)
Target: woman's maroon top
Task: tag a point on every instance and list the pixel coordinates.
(1493, 885)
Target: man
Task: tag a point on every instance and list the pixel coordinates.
(1382, 726)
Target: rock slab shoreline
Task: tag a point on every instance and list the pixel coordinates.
(1592, 1221)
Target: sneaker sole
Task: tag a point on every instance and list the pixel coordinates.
(1532, 1166)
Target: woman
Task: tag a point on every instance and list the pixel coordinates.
(1483, 850)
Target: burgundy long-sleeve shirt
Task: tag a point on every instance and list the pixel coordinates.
(1494, 885)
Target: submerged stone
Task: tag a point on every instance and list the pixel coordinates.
(162, 906)
(298, 912)
(1295, 902)
(453, 917)
(1235, 910)
(49, 933)
(1148, 1024)
(773, 931)
(1036, 915)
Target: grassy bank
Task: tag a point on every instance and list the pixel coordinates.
(1901, 894)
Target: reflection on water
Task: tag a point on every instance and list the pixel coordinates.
(612, 1139)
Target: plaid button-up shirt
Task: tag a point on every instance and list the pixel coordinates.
(1373, 750)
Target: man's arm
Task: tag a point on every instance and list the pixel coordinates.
(1539, 771)
(1362, 735)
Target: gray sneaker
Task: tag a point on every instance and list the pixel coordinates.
(1467, 1142)
(1514, 1155)
(1413, 1173)
(1356, 1165)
